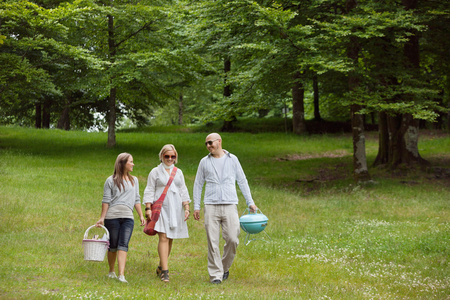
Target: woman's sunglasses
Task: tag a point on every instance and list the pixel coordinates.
(168, 156)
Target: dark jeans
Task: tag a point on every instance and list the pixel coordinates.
(120, 231)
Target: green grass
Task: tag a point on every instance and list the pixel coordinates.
(330, 238)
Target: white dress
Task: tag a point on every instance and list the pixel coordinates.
(171, 220)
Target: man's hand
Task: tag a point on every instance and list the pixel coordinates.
(253, 208)
(197, 215)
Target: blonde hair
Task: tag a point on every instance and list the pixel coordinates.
(119, 170)
(164, 149)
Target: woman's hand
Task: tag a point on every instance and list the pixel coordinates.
(148, 211)
(148, 215)
(187, 213)
(100, 222)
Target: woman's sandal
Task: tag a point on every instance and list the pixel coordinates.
(164, 275)
(158, 271)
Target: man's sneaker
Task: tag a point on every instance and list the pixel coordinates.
(216, 281)
(122, 279)
(112, 275)
(225, 275)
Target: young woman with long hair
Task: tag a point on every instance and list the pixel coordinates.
(120, 196)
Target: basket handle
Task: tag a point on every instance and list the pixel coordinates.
(87, 231)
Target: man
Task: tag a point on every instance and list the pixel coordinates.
(220, 170)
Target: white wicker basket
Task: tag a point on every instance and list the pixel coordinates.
(95, 250)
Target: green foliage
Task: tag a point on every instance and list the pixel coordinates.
(312, 37)
(60, 51)
(73, 46)
(39, 63)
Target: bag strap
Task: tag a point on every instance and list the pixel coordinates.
(156, 206)
(163, 195)
(172, 175)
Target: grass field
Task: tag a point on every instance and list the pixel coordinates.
(330, 238)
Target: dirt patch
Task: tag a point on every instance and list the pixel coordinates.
(432, 134)
(333, 172)
(438, 170)
(329, 174)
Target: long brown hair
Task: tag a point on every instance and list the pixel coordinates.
(119, 170)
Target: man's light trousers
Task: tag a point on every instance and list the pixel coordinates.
(227, 217)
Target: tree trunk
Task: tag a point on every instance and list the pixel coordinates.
(46, 114)
(372, 117)
(383, 140)
(409, 128)
(38, 117)
(360, 169)
(403, 139)
(285, 111)
(226, 70)
(180, 110)
(227, 124)
(112, 118)
(298, 108)
(409, 147)
(394, 123)
(262, 112)
(112, 91)
(317, 116)
(64, 118)
(448, 112)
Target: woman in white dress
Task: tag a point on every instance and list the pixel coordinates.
(175, 208)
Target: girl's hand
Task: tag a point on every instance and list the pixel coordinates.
(187, 213)
(100, 222)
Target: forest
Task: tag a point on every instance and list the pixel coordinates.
(102, 64)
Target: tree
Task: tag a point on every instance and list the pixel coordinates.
(247, 33)
(376, 35)
(317, 116)
(217, 32)
(360, 169)
(123, 43)
(33, 52)
(82, 65)
(137, 45)
(407, 96)
(298, 109)
(404, 128)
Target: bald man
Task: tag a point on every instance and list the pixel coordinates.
(220, 170)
